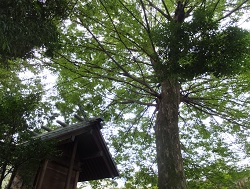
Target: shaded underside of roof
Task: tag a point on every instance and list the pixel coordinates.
(96, 161)
(93, 159)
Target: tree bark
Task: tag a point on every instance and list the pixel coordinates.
(169, 159)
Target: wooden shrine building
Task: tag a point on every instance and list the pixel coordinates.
(85, 157)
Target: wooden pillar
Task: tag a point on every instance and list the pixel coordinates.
(71, 165)
(76, 179)
(41, 175)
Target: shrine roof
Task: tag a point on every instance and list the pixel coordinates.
(95, 161)
(75, 129)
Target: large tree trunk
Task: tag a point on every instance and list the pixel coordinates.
(169, 159)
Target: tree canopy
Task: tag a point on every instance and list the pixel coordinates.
(21, 114)
(170, 76)
(183, 65)
(171, 80)
(26, 25)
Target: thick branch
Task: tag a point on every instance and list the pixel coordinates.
(120, 39)
(96, 75)
(125, 72)
(167, 16)
(166, 9)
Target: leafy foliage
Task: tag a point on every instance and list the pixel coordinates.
(26, 25)
(115, 58)
(20, 106)
(201, 46)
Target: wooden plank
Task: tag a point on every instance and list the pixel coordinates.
(76, 179)
(62, 123)
(40, 179)
(46, 128)
(71, 165)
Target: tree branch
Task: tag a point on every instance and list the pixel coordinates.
(234, 10)
(132, 15)
(212, 112)
(216, 4)
(96, 75)
(120, 39)
(167, 16)
(125, 72)
(133, 102)
(166, 9)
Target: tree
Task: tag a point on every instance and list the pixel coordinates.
(187, 60)
(20, 107)
(26, 25)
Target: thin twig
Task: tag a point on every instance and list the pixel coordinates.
(234, 10)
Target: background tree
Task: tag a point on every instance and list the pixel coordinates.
(21, 113)
(26, 25)
(187, 62)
